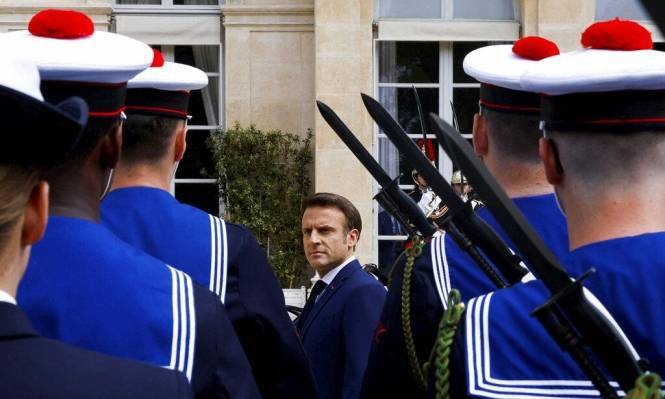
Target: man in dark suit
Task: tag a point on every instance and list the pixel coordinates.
(35, 135)
(338, 321)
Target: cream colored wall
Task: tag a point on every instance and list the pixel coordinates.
(14, 15)
(344, 70)
(279, 58)
(559, 20)
(269, 64)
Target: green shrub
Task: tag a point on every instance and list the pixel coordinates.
(263, 178)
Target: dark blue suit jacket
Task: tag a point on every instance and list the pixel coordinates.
(226, 258)
(337, 333)
(38, 368)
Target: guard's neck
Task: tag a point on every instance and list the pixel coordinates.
(519, 179)
(158, 175)
(613, 214)
(76, 193)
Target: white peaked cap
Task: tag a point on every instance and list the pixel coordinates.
(171, 77)
(65, 47)
(618, 56)
(503, 65)
(20, 74)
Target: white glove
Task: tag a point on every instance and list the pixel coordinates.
(429, 202)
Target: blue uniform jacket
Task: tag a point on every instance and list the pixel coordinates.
(226, 258)
(39, 368)
(441, 267)
(337, 333)
(88, 288)
(492, 357)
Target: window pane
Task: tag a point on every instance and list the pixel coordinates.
(401, 103)
(627, 9)
(466, 105)
(205, 58)
(204, 196)
(460, 50)
(483, 9)
(395, 164)
(138, 1)
(197, 157)
(204, 104)
(407, 9)
(195, 2)
(389, 250)
(408, 62)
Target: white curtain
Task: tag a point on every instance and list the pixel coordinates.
(388, 154)
(206, 59)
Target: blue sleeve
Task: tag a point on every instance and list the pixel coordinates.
(267, 334)
(361, 315)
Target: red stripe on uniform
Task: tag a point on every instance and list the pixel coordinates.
(159, 109)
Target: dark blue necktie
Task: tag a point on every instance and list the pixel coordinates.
(318, 288)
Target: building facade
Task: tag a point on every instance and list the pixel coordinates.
(269, 60)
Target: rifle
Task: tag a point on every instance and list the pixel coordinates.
(569, 315)
(469, 231)
(391, 197)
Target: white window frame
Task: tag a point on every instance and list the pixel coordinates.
(445, 86)
(168, 51)
(167, 6)
(446, 12)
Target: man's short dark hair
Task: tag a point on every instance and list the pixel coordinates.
(145, 138)
(94, 131)
(514, 135)
(326, 200)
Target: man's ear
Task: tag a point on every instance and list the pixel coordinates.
(112, 147)
(180, 143)
(480, 140)
(35, 215)
(352, 238)
(549, 154)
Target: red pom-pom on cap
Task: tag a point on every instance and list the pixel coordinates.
(617, 34)
(535, 48)
(157, 59)
(61, 24)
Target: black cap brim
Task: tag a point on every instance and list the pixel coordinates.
(37, 133)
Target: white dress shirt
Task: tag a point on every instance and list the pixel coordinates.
(330, 276)
(5, 297)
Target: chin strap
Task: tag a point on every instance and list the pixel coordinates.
(107, 188)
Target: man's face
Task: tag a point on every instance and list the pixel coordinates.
(325, 243)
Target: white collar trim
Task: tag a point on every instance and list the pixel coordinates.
(330, 276)
(5, 297)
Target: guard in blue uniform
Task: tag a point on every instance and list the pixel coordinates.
(84, 285)
(603, 102)
(36, 135)
(222, 256)
(506, 136)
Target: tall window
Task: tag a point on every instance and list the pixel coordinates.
(169, 2)
(447, 9)
(627, 9)
(188, 35)
(435, 70)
